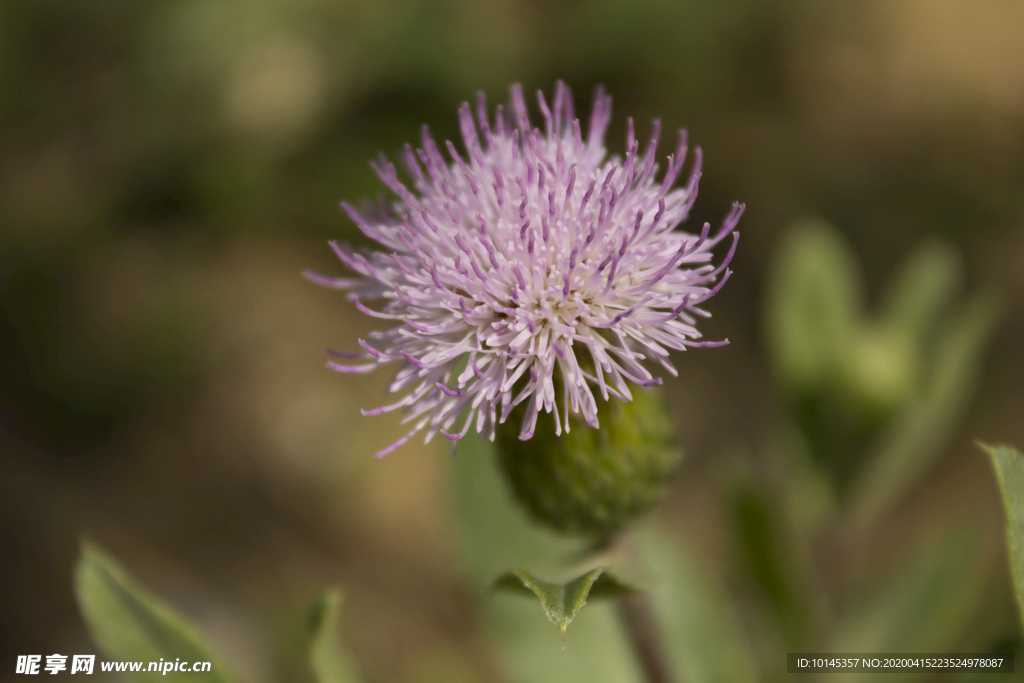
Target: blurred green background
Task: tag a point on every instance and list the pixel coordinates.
(168, 169)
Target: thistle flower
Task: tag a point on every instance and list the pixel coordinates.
(529, 264)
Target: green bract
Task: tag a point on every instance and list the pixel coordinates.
(593, 481)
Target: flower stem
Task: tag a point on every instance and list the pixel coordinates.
(638, 618)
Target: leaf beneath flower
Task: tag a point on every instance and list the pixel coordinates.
(561, 602)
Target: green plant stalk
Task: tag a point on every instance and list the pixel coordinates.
(642, 629)
(636, 614)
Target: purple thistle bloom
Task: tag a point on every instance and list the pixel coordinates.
(534, 254)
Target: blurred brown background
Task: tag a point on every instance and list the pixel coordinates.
(168, 169)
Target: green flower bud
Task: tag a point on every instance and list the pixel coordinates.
(593, 481)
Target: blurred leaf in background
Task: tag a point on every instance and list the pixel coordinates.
(330, 661)
(813, 320)
(768, 556)
(876, 397)
(925, 606)
(908, 447)
(129, 624)
(1009, 466)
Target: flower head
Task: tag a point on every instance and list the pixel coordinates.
(530, 263)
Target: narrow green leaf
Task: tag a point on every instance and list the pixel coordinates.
(561, 602)
(1009, 466)
(494, 533)
(130, 624)
(768, 550)
(907, 449)
(331, 663)
(923, 608)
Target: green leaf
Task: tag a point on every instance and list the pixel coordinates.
(1009, 466)
(910, 446)
(561, 602)
(922, 608)
(494, 533)
(769, 554)
(701, 629)
(331, 663)
(130, 624)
